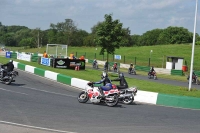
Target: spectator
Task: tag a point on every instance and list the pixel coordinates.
(82, 57)
(72, 56)
(45, 54)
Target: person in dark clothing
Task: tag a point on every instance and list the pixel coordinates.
(10, 68)
(131, 67)
(107, 85)
(106, 66)
(151, 70)
(122, 81)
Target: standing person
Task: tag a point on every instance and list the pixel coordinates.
(106, 65)
(10, 68)
(82, 57)
(122, 81)
(45, 54)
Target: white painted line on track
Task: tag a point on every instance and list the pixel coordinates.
(13, 91)
(33, 127)
(46, 91)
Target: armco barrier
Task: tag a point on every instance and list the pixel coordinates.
(178, 101)
(142, 68)
(142, 96)
(177, 72)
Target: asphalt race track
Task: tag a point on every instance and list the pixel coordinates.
(160, 80)
(35, 103)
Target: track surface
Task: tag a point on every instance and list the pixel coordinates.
(160, 80)
(41, 103)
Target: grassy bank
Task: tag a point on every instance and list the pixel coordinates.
(94, 75)
(141, 54)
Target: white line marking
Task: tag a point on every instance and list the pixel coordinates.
(33, 127)
(13, 91)
(46, 91)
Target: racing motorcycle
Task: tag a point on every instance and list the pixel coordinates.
(195, 79)
(127, 95)
(7, 79)
(152, 74)
(132, 71)
(95, 65)
(114, 67)
(93, 94)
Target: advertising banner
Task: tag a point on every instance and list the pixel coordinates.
(118, 57)
(8, 54)
(68, 63)
(23, 56)
(45, 61)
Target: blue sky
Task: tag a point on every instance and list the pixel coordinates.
(139, 15)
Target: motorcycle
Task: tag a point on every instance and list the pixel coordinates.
(93, 94)
(115, 69)
(152, 74)
(95, 65)
(127, 95)
(195, 80)
(7, 79)
(131, 71)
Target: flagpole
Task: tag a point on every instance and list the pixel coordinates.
(193, 45)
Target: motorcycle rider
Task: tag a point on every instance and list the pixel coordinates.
(107, 85)
(152, 70)
(10, 68)
(131, 67)
(122, 81)
(94, 62)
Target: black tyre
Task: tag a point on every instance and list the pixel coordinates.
(83, 97)
(198, 82)
(113, 102)
(128, 99)
(8, 81)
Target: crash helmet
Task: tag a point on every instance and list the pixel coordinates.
(11, 61)
(104, 74)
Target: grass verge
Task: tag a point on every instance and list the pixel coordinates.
(94, 75)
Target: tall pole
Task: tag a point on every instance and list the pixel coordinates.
(193, 44)
(38, 38)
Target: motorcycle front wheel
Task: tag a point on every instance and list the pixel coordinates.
(8, 81)
(83, 97)
(113, 102)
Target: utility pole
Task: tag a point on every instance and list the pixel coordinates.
(38, 38)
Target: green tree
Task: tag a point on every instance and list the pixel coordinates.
(135, 40)
(175, 35)
(109, 35)
(150, 38)
(67, 28)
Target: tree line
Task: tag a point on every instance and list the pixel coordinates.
(106, 33)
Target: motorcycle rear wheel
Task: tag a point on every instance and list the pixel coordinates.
(83, 97)
(128, 100)
(114, 102)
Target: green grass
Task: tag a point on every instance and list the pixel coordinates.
(142, 54)
(94, 75)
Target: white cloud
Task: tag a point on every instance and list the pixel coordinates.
(139, 15)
